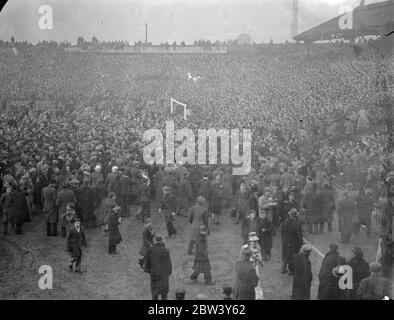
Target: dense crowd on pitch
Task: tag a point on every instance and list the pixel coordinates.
(315, 125)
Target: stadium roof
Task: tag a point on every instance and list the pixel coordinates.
(373, 19)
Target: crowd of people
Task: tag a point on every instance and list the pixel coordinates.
(319, 147)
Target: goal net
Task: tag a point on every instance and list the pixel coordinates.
(176, 104)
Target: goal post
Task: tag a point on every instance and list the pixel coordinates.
(174, 103)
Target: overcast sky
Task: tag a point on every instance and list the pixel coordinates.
(168, 20)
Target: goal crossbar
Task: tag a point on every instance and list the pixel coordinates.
(173, 101)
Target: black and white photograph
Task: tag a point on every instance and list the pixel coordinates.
(197, 150)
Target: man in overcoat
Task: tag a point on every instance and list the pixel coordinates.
(75, 240)
(159, 266)
(201, 260)
(246, 277)
(198, 216)
(292, 240)
(302, 279)
(48, 198)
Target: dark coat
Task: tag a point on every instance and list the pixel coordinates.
(185, 194)
(246, 281)
(125, 186)
(86, 203)
(48, 196)
(361, 271)
(241, 202)
(292, 239)
(169, 204)
(265, 237)
(216, 197)
(203, 188)
(201, 260)
(103, 211)
(374, 288)
(19, 207)
(310, 203)
(113, 229)
(159, 266)
(75, 241)
(328, 283)
(326, 201)
(302, 278)
(365, 204)
(346, 208)
(64, 197)
(198, 216)
(147, 241)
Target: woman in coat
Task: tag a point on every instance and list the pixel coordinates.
(216, 199)
(104, 210)
(113, 230)
(198, 216)
(201, 260)
(246, 278)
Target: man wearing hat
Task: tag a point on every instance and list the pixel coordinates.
(48, 196)
(168, 206)
(144, 199)
(201, 260)
(158, 265)
(360, 269)
(246, 276)
(346, 209)
(365, 206)
(375, 287)
(64, 197)
(267, 201)
(253, 243)
(328, 282)
(75, 240)
(292, 240)
(198, 216)
(302, 279)
(125, 186)
(114, 236)
(147, 241)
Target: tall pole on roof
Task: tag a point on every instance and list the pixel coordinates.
(146, 34)
(294, 20)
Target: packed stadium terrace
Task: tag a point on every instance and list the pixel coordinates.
(318, 116)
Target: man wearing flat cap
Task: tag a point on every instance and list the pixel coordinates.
(346, 209)
(246, 277)
(158, 265)
(292, 239)
(375, 287)
(328, 283)
(168, 206)
(302, 279)
(360, 270)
